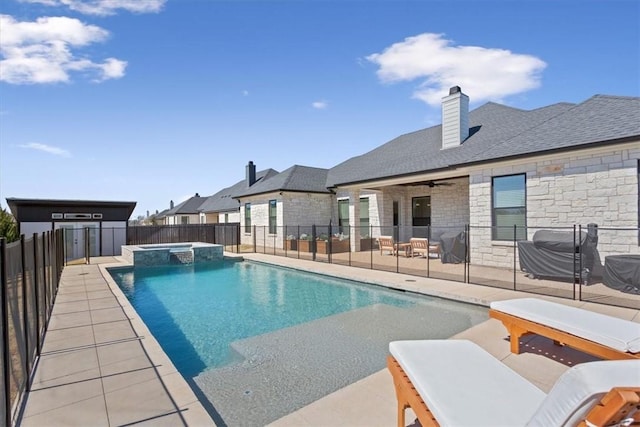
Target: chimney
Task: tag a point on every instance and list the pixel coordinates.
(147, 214)
(251, 174)
(197, 195)
(455, 118)
(171, 204)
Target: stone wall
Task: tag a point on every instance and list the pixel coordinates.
(600, 188)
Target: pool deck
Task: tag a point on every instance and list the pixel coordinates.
(101, 366)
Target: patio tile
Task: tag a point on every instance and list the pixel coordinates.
(99, 294)
(67, 367)
(108, 302)
(113, 331)
(54, 398)
(70, 307)
(107, 315)
(90, 412)
(138, 402)
(123, 380)
(68, 339)
(70, 297)
(70, 320)
(122, 357)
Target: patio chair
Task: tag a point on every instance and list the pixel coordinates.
(457, 383)
(420, 245)
(386, 244)
(603, 336)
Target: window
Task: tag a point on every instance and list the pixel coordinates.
(226, 218)
(343, 216)
(184, 220)
(273, 217)
(396, 213)
(247, 217)
(364, 216)
(509, 207)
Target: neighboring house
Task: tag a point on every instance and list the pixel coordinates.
(497, 166)
(296, 196)
(222, 207)
(107, 221)
(185, 212)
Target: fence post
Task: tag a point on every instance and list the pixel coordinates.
(255, 240)
(396, 239)
(87, 246)
(312, 243)
(574, 261)
(580, 264)
(329, 242)
(25, 310)
(515, 230)
(6, 357)
(44, 273)
(36, 293)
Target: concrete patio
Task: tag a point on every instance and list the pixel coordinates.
(101, 366)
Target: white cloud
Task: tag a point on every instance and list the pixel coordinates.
(47, 149)
(105, 7)
(320, 105)
(482, 73)
(41, 51)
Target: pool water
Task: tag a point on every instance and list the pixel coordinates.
(206, 308)
(253, 337)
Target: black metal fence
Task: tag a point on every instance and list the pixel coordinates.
(30, 271)
(567, 262)
(225, 234)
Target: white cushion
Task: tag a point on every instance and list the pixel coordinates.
(581, 387)
(463, 385)
(622, 335)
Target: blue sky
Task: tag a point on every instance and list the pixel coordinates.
(155, 100)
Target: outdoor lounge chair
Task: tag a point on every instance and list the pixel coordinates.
(420, 245)
(603, 336)
(457, 383)
(386, 244)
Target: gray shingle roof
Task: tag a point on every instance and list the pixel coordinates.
(497, 131)
(297, 178)
(223, 200)
(189, 206)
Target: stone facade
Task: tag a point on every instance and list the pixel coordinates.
(292, 209)
(575, 188)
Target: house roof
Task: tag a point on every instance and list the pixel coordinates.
(189, 206)
(297, 178)
(113, 210)
(223, 200)
(497, 132)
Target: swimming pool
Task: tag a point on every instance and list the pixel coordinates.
(260, 341)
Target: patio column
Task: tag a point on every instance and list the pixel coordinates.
(354, 219)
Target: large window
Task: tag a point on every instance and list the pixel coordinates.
(509, 207)
(247, 217)
(343, 216)
(184, 220)
(273, 217)
(364, 216)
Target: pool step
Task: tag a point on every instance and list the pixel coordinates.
(182, 257)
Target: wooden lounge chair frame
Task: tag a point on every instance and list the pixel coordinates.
(421, 245)
(618, 404)
(518, 327)
(386, 244)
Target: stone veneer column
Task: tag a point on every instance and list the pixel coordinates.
(354, 219)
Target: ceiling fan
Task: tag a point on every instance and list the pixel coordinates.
(432, 184)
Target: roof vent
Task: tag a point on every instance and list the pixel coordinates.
(455, 118)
